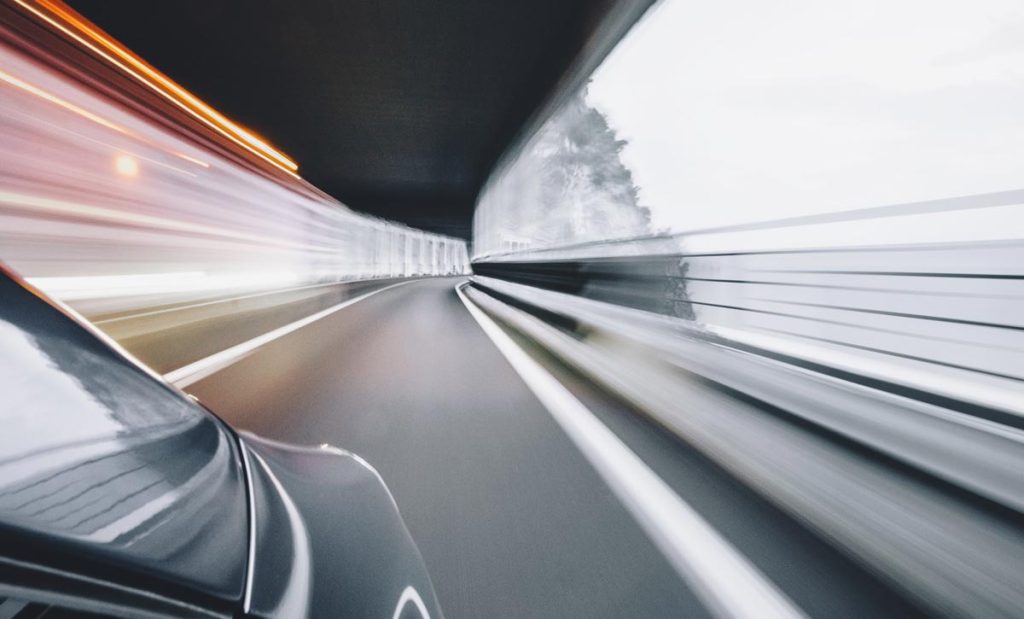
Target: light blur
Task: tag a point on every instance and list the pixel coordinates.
(739, 333)
(110, 208)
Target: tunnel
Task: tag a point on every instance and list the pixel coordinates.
(471, 308)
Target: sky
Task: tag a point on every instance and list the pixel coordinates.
(745, 110)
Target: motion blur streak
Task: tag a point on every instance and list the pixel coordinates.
(781, 267)
(740, 365)
(729, 584)
(115, 209)
(13, 81)
(76, 26)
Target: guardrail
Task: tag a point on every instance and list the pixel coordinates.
(927, 496)
(945, 318)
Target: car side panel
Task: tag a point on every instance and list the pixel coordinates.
(362, 560)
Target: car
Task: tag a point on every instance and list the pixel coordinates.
(122, 496)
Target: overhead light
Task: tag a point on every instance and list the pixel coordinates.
(126, 165)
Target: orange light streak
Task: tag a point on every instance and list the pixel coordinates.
(191, 159)
(81, 30)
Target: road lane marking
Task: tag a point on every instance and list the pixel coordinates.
(730, 586)
(198, 370)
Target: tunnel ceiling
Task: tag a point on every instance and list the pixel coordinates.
(396, 107)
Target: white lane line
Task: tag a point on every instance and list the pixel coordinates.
(730, 586)
(198, 370)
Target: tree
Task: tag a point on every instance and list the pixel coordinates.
(571, 184)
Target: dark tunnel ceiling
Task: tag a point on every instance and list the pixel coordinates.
(398, 108)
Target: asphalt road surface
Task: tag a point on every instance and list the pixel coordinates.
(511, 518)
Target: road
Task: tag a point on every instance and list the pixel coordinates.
(511, 518)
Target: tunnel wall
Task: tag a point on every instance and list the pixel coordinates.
(113, 199)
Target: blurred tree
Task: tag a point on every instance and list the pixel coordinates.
(573, 184)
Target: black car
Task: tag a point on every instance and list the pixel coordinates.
(122, 496)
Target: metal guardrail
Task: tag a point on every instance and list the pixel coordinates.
(942, 317)
(927, 496)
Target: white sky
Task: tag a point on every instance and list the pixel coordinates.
(748, 110)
